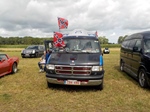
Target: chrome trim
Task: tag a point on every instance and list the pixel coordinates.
(72, 70)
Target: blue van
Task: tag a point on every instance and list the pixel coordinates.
(79, 63)
(135, 57)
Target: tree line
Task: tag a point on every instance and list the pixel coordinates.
(121, 39)
(28, 40)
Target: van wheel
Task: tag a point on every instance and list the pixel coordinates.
(121, 66)
(100, 87)
(142, 78)
(49, 84)
(14, 68)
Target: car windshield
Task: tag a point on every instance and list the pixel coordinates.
(147, 46)
(3, 56)
(32, 47)
(80, 45)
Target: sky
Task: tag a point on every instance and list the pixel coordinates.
(38, 18)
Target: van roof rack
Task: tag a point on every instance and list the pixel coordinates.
(81, 32)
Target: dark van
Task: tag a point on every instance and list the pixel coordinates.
(135, 57)
(80, 63)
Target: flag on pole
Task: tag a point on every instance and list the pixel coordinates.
(62, 23)
(58, 41)
(96, 34)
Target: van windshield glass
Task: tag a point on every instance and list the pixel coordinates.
(80, 45)
(147, 46)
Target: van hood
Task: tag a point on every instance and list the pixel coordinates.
(74, 59)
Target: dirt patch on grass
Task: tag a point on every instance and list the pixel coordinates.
(115, 49)
(10, 49)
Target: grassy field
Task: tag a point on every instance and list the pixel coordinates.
(26, 91)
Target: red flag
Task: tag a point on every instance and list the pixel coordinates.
(58, 41)
(62, 23)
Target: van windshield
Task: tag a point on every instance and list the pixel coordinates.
(80, 45)
(147, 46)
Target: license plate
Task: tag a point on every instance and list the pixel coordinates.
(27, 54)
(72, 82)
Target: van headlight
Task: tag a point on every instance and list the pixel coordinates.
(50, 67)
(97, 68)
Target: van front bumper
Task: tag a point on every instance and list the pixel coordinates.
(83, 80)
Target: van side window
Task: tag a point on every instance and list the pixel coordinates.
(146, 46)
(138, 44)
(132, 43)
(127, 44)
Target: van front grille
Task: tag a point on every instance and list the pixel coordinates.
(73, 70)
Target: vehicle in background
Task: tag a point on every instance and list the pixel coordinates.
(8, 64)
(79, 63)
(135, 57)
(106, 50)
(48, 44)
(33, 51)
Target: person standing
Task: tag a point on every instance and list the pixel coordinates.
(42, 62)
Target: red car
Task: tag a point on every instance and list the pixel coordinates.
(8, 64)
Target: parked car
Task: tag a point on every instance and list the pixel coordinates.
(106, 51)
(135, 57)
(8, 64)
(33, 51)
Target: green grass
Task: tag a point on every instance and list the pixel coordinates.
(13, 46)
(26, 91)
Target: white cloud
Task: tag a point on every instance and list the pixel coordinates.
(111, 18)
(113, 34)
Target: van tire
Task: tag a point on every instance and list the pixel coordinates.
(100, 87)
(142, 78)
(49, 84)
(122, 66)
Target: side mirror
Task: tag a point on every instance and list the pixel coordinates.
(136, 49)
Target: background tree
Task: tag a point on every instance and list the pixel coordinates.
(121, 39)
(103, 40)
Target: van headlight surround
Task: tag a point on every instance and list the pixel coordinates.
(50, 67)
(97, 68)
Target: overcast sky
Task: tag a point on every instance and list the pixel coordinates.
(110, 18)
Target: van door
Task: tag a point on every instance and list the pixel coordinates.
(48, 44)
(127, 53)
(41, 50)
(136, 57)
